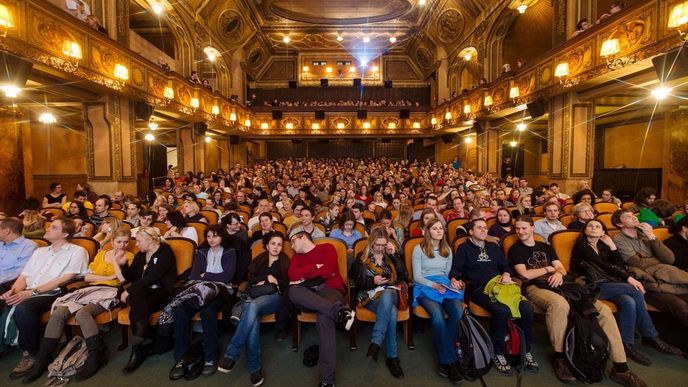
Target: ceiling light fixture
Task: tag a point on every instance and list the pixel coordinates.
(211, 53)
(157, 8)
(340, 37)
(467, 57)
(286, 39)
(152, 125)
(468, 140)
(149, 137)
(393, 39)
(366, 39)
(513, 143)
(521, 126)
(208, 139)
(661, 93)
(47, 118)
(11, 91)
(522, 8)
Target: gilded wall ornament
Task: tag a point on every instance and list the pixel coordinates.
(424, 57)
(230, 25)
(450, 25)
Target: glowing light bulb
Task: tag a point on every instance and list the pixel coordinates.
(521, 127)
(468, 140)
(47, 118)
(522, 8)
(208, 139)
(393, 39)
(152, 125)
(366, 39)
(286, 39)
(149, 137)
(661, 93)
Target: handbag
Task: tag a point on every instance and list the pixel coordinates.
(262, 290)
(403, 303)
(315, 284)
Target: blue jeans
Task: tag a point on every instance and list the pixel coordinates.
(182, 329)
(632, 310)
(385, 328)
(444, 332)
(248, 332)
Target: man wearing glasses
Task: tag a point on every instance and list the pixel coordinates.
(318, 286)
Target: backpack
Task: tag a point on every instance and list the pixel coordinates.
(515, 348)
(9, 334)
(474, 347)
(586, 347)
(68, 362)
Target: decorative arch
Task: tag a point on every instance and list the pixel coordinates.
(530, 34)
(494, 40)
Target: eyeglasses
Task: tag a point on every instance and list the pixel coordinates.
(380, 244)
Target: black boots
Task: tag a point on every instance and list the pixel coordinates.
(138, 356)
(96, 357)
(373, 351)
(42, 359)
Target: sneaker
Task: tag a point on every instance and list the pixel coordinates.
(662, 346)
(531, 365)
(346, 317)
(628, 378)
(226, 365)
(636, 356)
(177, 372)
(442, 370)
(25, 364)
(209, 368)
(502, 365)
(257, 378)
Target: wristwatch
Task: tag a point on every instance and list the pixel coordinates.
(34, 292)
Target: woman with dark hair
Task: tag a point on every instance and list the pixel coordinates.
(678, 243)
(77, 210)
(55, 198)
(394, 231)
(504, 224)
(596, 257)
(608, 197)
(347, 232)
(232, 223)
(644, 198)
(265, 222)
(214, 262)
(268, 281)
(177, 227)
(380, 266)
(584, 196)
(168, 185)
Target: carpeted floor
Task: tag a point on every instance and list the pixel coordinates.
(284, 368)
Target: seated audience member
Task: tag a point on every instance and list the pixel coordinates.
(659, 214)
(427, 215)
(146, 219)
(190, 210)
(554, 187)
(582, 25)
(306, 221)
(677, 243)
(584, 196)
(358, 209)
(94, 23)
(537, 263)
(296, 213)
(644, 198)
(683, 211)
(430, 203)
(35, 290)
(232, 223)
(648, 259)
(458, 211)
(596, 257)
(163, 210)
(431, 265)
(608, 197)
(76, 210)
(100, 211)
(104, 276)
(268, 277)
(177, 228)
(404, 217)
(81, 197)
(503, 226)
(347, 232)
(215, 266)
(152, 275)
(394, 231)
(478, 262)
(106, 230)
(317, 286)
(265, 224)
(331, 217)
(15, 251)
(583, 212)
(379, 200)
(32, 220)
(524, 206)
(263, 207)
(548, 225)
(377, 272)
(55, 198)
(133, 214)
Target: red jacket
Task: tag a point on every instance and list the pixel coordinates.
(303, 266)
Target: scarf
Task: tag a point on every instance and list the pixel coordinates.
(371, 270)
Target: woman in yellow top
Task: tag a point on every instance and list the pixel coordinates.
(104, 276)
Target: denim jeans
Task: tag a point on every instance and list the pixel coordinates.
(632, 310)
(385, 328)
(444, 332)
(248, 332)
(182, 329)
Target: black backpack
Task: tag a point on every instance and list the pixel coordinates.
(586, 347)
(474, 347)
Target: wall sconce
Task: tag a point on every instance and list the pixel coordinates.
(211, 53)
(247, 123)
(328, 70)
(306, 69)
(352, 69)
(447, 116)
(514, 92)
(168, 93)
(466, 109)
(72, 49)
(392, 125)
(264, 125)
(416, 125)
(6, 20)
(289, 126)
(487, 101)
(121, 72)
(215, 110)
(340, 125)
(375, 69)
(679, 17)
(433, 121)
(561, 71)
(232, 117)
(195, 103)
(366, 125)
(609, 49)
(315, 126)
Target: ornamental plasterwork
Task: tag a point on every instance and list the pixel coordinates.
(450, 26)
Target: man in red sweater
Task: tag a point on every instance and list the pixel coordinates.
(317, 286)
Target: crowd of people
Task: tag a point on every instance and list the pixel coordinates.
(342, 103)
(267, 225)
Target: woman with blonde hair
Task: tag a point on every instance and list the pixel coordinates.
(106, 230)
(432, 261)
(379, 270)
(404, 217)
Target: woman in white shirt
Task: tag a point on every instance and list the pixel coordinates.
(177, 227)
